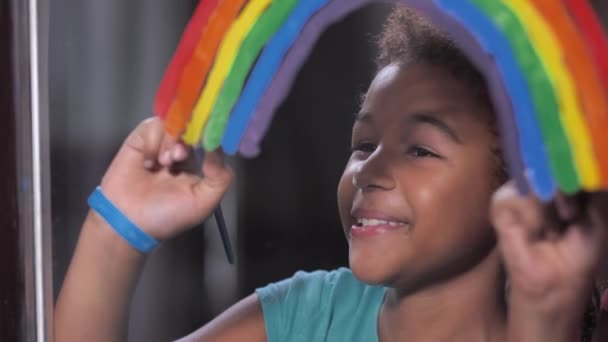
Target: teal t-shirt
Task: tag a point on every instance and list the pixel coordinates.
(321, 306)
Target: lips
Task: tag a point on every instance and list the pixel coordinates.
(370, 222)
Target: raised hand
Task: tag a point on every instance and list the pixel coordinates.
(552, 255)
(154, 181)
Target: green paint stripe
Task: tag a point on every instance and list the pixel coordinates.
(542, 90)
(262, 31)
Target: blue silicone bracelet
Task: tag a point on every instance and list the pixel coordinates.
(136, 237)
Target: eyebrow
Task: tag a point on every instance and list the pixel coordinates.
(422, 118)
(419, 118)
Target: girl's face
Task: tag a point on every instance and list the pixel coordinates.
(414, 197)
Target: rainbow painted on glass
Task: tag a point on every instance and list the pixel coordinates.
(545, 62)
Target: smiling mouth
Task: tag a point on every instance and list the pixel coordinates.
(371, 227)
(362, 222)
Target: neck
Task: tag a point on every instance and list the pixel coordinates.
(469, 307)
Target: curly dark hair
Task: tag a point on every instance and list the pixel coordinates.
(408, 38)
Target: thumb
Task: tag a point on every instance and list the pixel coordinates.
(517, 222)
(143, 144)
(134, 158)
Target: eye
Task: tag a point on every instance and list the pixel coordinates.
(417, 151)
(365, 147)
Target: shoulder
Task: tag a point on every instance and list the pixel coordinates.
(313, 299)
(313, 286)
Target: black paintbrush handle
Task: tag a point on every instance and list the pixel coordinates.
(221, 226)
(219, 216)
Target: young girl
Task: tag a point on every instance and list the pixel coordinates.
(441, 247)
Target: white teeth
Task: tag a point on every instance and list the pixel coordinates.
(375, 222)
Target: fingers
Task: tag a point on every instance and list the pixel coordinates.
(214, 165)
(540, 220)
(573, 227)
(172, 152)
(217, 177)
(144, 142)
(148, 143)
(137, 154)
(510, 208)
(584, 233)
(518, 222)
(568, 209)
(592, 234)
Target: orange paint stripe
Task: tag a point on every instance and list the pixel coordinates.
(195, 72)
(185, 49)
(592, 31)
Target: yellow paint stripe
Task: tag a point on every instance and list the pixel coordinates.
(551, 54)
(223, 63)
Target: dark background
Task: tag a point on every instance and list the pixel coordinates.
(11, 282)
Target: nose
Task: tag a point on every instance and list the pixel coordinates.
(375, 171)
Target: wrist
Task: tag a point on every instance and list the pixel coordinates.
(120, 223)
(553, 299)
(549, 319)
(521, 329)
(106, 238)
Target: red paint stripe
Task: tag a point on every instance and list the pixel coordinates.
(168, 85)
(197, 68)
(582, 66)
(591, 28)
